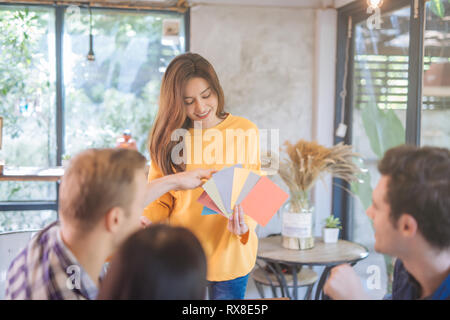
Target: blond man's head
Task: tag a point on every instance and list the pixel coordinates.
(97, 181)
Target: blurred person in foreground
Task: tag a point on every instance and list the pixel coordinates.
(157, 263)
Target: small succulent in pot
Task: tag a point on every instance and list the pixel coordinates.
(333, 222)
(331, 230)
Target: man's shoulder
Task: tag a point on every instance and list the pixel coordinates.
(33, 268)
(404, 286)
(35, 244)
(16, 277)
(443, 291)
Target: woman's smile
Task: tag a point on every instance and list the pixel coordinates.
(204, 115)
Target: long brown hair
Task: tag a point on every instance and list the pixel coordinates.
(172, 111)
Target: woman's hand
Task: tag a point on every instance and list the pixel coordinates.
(179, 181)
(191, 179)
(236, 223)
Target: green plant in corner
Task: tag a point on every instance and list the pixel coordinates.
(332, 222)
(438, 8)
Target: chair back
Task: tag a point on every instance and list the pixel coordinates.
(11, 243)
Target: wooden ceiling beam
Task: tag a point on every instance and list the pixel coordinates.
(178, 6)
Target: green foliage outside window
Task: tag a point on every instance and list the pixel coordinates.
(118, 91)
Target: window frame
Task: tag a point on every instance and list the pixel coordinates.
(341, 200)
(60, 9)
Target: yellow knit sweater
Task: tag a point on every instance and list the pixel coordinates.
(227, 257)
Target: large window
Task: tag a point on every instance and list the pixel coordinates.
(27, 104)
(96, 102)
(380, 82)
(118, 90)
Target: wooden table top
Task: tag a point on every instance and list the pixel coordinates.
(322, 254)
(31, 174)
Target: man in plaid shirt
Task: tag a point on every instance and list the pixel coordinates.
(47, 270)
(102, 196)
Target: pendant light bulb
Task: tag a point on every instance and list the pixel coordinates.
(374, 4)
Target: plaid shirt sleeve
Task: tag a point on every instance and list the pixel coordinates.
(16, 280)
(41, 272)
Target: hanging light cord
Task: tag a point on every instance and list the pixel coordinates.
(343, 93)
(90, 20)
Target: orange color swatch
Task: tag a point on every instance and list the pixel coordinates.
(264, 201)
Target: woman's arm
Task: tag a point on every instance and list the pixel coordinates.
(179, 181)
(158, 189)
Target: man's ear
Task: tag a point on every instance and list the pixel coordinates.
(407, 225)
(113, 219)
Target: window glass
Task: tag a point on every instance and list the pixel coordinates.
(120, 89)
(27, 97)
(380, 84)
(435, 118)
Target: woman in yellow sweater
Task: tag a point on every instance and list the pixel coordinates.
(192, 125)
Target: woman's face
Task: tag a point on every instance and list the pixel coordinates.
(201, 102)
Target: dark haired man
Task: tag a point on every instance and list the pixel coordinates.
(411, 217)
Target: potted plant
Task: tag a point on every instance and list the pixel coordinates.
(65, 160)
(305, 163)
(331, 230)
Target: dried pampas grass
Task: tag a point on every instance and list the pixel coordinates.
(308, 161)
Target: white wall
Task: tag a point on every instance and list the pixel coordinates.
(324, 101)
(264, 58)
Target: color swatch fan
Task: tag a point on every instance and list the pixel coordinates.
(259, 197)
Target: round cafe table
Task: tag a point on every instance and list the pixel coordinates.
(323, 254)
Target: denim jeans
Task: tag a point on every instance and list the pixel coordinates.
(228, 290)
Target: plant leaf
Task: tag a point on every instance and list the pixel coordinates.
(363, 190)
(383, 128)
(437, 7)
